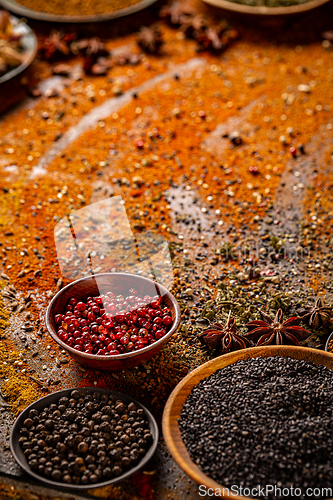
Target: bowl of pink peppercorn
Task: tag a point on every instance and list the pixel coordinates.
(112, 321)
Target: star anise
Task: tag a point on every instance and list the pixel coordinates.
(273, 332)
(223, 337)
(127, 58)
(209, 39)
(193, 25)
(175, 14)
(97, 66)
(90, 47)
(150, 39)
(56, 44)
(318, 315)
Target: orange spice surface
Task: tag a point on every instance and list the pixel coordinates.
(166, 145)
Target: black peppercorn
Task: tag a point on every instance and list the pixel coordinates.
(89, 406)
(90, 426)
(82, 447)
(116, 471)
(79, 461)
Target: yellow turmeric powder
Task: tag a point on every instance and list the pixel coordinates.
(16, 388)
(4, 317)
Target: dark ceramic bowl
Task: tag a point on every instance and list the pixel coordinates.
(118, 283)
(54, 398)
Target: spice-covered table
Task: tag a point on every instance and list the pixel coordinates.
(227, 155)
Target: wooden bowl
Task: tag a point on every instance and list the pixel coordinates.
(179, 395)
(118, 283)
(54, 398)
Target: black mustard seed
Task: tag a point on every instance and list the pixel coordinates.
(263, 421)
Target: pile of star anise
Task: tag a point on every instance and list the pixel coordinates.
(214, 38)
(267, 331)
(97, 59)
(150, 39)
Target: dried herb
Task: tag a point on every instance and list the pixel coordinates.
(192, 26)
(150, 39)
(127, 58)
(224, 337)
(210, 40)
(175, 14)
(209, 37)
(90, 47)
(318, 315)
(97, 67)
(273, 332)
(57, 43)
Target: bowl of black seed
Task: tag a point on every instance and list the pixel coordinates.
(83, 438)
(259, 417)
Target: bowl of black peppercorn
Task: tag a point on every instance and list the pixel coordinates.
(83, 438)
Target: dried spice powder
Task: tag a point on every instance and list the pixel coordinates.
(16, 389)
(4, 317)
(73, 7)
(263, 421)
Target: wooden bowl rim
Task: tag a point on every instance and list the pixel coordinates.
(328, 341)
(55, 396)
(127, 355)
(263, 10)
(170, 428)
